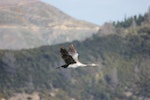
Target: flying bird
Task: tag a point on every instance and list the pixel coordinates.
(71, 58)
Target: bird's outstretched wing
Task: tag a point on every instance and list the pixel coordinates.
(73, 52)
(66, 56)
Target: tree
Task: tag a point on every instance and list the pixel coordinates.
(143, 84)
(107, 28)
(148, 15)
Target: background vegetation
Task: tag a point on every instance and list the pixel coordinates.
(123, 55)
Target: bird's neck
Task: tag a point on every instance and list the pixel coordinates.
(81, 64)
(91, 64)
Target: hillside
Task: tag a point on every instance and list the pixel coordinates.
(122, 53)
(32, 23)
(123, 71)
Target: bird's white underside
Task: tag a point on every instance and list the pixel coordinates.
(79, 64)
(76, 65)
(73, 52)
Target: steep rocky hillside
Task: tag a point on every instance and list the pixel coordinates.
(32, 23)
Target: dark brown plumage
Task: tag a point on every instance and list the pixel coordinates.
(71, 58)
(66, 56)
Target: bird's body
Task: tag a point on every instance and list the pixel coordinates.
(71, 58)
(76, 65)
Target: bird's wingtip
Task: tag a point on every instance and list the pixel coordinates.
(72, 45)
(62, 47)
